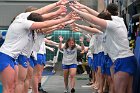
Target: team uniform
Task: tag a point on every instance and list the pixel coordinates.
(98, 51)
(91, 51)
(118, 46)
(107, 64)
(70, 58)
(17, 38)
(41, 55)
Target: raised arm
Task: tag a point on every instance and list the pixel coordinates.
(52, 15)
(50, 7)
(50, 42)
(81, 6)
(82, 47)
(50, 48)
(91, 18)
(49, 23)
(60, 43)
(89, 29)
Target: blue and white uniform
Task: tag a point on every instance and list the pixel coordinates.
(70, 57)
(118, 46)
(16, 39)
(37, 47)
(91, 51)
(41, 54)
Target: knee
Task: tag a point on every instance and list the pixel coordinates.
(72, 76)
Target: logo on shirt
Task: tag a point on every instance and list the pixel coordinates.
(70, 52)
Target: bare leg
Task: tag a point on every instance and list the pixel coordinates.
(36, 76)
(101, 81)
(28, 79)
(121, 81)
(129, 88)
(21, 78)
(8, 79)
(111, 84)
(72, 77)
(66, 75)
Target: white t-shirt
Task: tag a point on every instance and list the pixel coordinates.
(69, 56)
(38, 42)
(18, 36)
(98, 45)
(42, 49)
(117, 39)
(91, 47)
(104, 43)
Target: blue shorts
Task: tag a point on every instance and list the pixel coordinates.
(90, 61)
(31, 61)
(69, 66)
(107, 65)
(95, 60)
(100, 58)
(6, 60)
(127, 65)
(22, 60)
(40, 59)
(45, 59)
(15, 62)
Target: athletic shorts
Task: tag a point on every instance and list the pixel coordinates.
(69, 66)
(95, 60)
(22, 60)
(31, 61)
(45, 59)
(15, 62)
(127, 65)
(6, 60)
(40, 59)
(107, 65)
(100, 59)
(90, 61)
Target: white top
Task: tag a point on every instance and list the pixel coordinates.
(27, 50)
(91, 46)
(37, 45)
(42, 49)
(104, 43)
(117, 39)
(18, 36)
(70, 56)
(98, 45)
(38, 42)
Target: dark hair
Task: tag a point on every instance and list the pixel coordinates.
(35, 17)
(105, 15)
(113, 9)
(70, 39)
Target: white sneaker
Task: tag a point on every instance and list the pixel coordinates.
(66, 90)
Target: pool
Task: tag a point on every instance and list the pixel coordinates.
(0, 87)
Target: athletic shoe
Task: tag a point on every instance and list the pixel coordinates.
(66, 91)
(42, 91)
(72, 90)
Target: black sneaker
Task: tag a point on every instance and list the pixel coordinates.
(72, 90)
(42, 91)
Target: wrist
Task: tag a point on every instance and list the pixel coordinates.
(57, 3)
